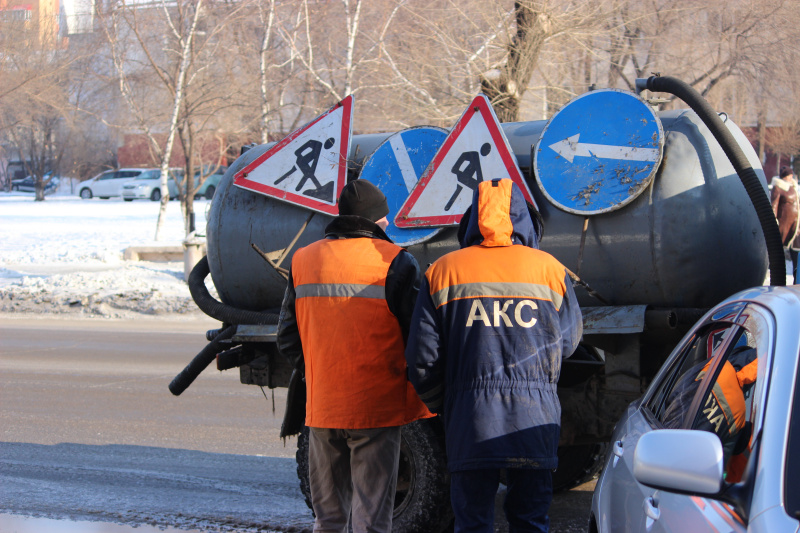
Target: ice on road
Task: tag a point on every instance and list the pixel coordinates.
(157, 486)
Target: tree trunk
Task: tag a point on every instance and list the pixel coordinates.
(179, 87)
(762, 134)
(38, 187)
(188, 199)
(506, 88)
(352, 32)
(265, 108)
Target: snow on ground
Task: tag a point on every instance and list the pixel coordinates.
(65, 256)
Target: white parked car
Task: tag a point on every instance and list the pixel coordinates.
(714, 444)
(147, 185)
(108, 183)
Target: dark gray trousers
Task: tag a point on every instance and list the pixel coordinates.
(353, 471)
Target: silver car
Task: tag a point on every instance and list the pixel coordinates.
(108, 183)
(147, 186)
(714, 444)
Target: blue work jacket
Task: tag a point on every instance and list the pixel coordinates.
(491, 325)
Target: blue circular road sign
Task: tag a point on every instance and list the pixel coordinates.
(599, 152)
(395, 166)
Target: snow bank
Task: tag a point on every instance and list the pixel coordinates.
(64, 255)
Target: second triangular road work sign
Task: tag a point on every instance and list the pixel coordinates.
(475, 150)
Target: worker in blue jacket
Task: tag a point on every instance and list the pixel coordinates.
(491, 325)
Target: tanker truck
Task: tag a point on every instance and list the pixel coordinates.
(645, 269)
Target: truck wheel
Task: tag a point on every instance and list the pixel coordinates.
(422, 499)
(578, 464)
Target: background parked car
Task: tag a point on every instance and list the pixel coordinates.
(28, 184)
(147, 185)
(725, 405)
(210, 185)
(108, 183)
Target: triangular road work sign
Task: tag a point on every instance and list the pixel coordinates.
(476, 150)
(308, 167)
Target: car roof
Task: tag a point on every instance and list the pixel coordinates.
(771, 296)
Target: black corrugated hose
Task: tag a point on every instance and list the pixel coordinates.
(772, 235)
(215, 309)
(200, 362)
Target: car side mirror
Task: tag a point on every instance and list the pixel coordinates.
(680, 460)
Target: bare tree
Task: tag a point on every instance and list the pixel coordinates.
(226, 73)
(171, 54)
(442, 53)
(267, 18)
(535, 23)
(267, 73)
(35, 109)
(341, 49)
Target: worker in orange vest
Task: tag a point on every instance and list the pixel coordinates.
(724, 411)
(344, 323)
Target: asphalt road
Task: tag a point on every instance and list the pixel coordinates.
(91, 432)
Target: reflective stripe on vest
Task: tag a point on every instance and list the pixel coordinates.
(341, 290)
(497, 290)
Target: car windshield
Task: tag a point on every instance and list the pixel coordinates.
(149, 175)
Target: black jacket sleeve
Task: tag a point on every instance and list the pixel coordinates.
(402, 287)
(289, 344)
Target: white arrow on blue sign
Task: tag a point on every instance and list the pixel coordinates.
(599, 152)
(395, 167)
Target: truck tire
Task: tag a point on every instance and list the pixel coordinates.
(422, 501)
(578, 464)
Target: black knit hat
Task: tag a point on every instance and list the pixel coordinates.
(362, 198)
(786, 171)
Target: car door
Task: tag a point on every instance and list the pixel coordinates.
(628, 502)
(633, 506)
(105, 184)
(745, 357)
(684, 395)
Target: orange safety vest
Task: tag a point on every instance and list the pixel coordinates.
(353, 346)
(725, 408)
(736, 467)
